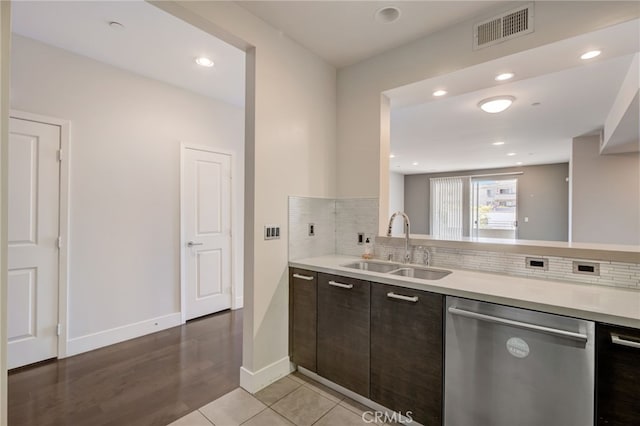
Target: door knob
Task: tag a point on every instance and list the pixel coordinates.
(193, 243)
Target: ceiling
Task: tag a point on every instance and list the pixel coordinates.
(152, 43)
(346, 32)
(451, 133)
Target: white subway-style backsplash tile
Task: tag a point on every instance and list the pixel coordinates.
(615, 274)
(337, 224)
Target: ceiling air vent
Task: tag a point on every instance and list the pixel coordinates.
(508, 25)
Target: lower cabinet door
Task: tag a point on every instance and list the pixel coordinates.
(302, 317)
(343, 331)
(618, 376)
(407, 352)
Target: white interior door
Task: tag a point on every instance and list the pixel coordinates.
(34, 185)
(206, 220)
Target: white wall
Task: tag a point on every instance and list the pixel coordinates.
(126, 132)
(361, 138)
(291, 150)
(605, 194)
(396, 201)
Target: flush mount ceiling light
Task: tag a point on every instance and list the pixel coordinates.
(590, 54)
(415, 163)
(387, 14)
(439, 92)
(511, 154)
(498, 143)
(504, 76)
(203, 61)
(496, 104)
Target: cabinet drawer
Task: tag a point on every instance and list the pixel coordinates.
(618, 375)
(407, 351)
(303, 299)
(343, 331)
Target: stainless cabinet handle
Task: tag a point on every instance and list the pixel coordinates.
(392, 295)
(533, 327)
(341, 285)
(617, 340)
(193, 243)
(303, 277)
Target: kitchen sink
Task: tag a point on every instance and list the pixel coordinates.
(422, 273)
(373, 266)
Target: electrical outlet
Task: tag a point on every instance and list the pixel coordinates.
(271, 232)
(360, 238)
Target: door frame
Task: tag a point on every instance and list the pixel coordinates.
(63, 220)
(183, 241)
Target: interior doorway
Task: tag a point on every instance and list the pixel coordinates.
(205, 216)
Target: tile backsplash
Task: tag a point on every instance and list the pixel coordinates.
(615, 274)
(355, 215)
(337, 223)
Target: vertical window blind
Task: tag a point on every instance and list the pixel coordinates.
(446, 207)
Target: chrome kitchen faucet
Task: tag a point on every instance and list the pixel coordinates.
(407, 226)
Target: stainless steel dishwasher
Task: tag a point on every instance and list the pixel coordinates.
(507, 366)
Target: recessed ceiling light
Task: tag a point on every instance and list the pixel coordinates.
(504, 76)
(535, 104)
(203, 61)
(392, 156)
(590, 54)
(415, 163)
(496, 104)
(519, 163)
(498, 143)
(387, 14)
(511, 154)
(115, 25)
(440, 92)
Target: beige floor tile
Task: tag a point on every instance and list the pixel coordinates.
(192, 419)
(298, 377)
(277, 390)
(303, 406)
(268, 417)
(355, 406)
(343, 417)
(324, 391)
(319, 387)
(233, 408)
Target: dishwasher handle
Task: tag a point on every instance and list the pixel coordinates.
(524, 325)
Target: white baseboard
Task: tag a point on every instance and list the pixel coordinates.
(93, 341)
(237, 303)
(252, 382)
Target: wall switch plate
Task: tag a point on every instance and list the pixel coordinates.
(271, 232)
(312, 229)
(360, 238)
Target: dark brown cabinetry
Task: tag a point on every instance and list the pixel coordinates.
(407, 351)
(343, 331)
(618, 375)
(303, 298)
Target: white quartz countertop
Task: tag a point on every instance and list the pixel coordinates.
(593, 302)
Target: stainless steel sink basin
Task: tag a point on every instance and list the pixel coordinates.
(422, 273)
(373, 266)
